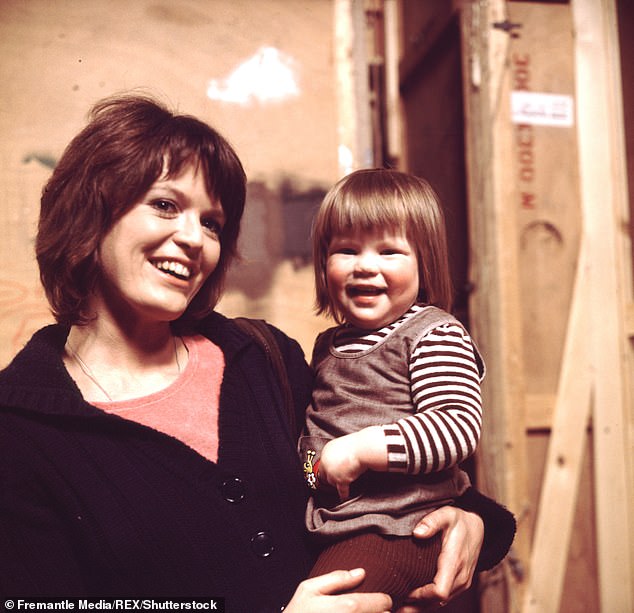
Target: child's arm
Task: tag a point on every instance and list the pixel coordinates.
(343, 460)
(445, 383)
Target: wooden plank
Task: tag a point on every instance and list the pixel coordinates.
(353, 107)
(563, 465)
(604, 194)
(494, 303)
(580, 592)
(394, 125)
(546, 171)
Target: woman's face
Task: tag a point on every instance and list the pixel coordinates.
(157, 256)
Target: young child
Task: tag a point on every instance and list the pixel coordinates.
(396, 404)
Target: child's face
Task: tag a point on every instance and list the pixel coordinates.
(372, 277)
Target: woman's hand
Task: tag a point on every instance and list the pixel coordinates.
(463, 533)
(320, 595)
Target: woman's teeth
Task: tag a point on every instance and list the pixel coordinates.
(174, 268)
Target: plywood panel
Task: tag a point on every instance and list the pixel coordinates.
(547, 205)
(566, 176)
(60, 57)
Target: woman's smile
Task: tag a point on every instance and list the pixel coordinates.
(174, 269)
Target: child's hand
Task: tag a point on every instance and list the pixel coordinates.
(344, 459)
(339, 464)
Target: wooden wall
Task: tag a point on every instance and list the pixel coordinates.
(58, 58)
(578, 509)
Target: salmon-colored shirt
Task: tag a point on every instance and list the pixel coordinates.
(188, 408)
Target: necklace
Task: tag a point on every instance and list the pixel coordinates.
(91, 375)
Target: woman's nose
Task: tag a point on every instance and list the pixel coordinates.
(189, 232)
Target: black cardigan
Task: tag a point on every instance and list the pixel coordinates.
(94, 505)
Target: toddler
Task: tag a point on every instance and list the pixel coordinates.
(396, 404)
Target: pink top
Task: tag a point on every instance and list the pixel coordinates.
(188, 408)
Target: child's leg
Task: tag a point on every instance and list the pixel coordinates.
(393, 565)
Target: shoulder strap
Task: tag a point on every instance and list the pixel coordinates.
(261, 333)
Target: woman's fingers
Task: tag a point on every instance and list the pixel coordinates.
(337, 581)
(322, 595)
(462, 538)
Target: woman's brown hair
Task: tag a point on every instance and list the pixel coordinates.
(383, 199)
(129, 143)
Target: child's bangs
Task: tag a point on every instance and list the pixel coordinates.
(370, 213)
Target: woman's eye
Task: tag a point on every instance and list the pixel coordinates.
(164, 206)
(212, 226)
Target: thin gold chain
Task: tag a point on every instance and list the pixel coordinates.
(91, 375)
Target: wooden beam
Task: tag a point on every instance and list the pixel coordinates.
(604, 194)
(494, 303)
(394, 118)
(565, 454)
(353, 107)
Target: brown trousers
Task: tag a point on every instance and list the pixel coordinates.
(394, 565)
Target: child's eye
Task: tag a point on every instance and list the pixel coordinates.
(343, 251)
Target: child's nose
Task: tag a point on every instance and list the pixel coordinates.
(367, 262)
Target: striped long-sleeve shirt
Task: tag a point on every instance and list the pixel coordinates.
(445, 387)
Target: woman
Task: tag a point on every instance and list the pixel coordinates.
(143, 448)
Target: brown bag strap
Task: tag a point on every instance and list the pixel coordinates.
(260, 331)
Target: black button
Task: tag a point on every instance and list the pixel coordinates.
(262, 544)
(232, 489)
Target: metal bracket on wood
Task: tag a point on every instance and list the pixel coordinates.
(508, 26)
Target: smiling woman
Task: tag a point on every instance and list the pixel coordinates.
(141, 405)
(161, 198)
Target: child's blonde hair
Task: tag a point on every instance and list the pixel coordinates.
(384, 199)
